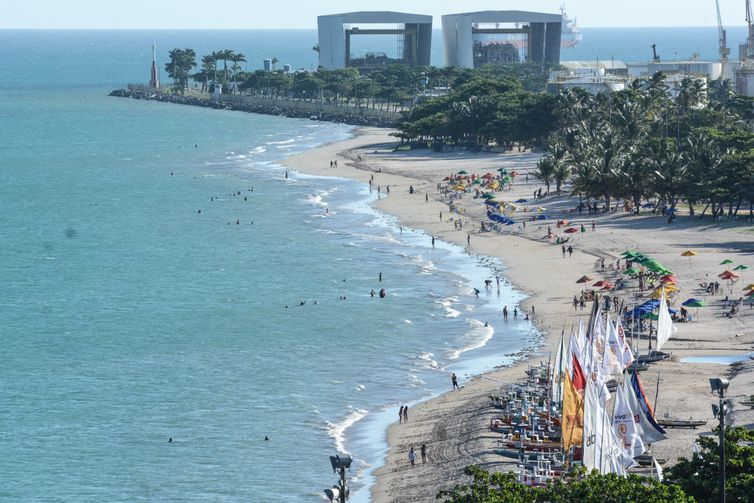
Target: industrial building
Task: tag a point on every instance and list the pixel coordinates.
(414, 33)
(477, 38)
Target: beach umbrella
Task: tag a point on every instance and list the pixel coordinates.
(740, 268)
(522, 200)
(541, 209)
(727, 274)
(571, 230)
(584, 279)
(726, 261)
(688, 253)
(629, 254)
(669, 278)
(650, 316)
(607, 286)
(630, 271)
(750, 286)
(692, 302)
(487, 195)
(600, 283)
(749, 294)
(462, 172)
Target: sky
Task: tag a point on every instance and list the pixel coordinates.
(256, 14)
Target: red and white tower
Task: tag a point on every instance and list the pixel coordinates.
(154, 80)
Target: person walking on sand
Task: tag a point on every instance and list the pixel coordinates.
(468, 239)
(593, 225)
(412, 456)
(505, 313)
(563, 249)
(400, 415)
(405, 413)
(424, 453)
(570, 251)
(454, 380)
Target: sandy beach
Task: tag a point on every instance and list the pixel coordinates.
(454, 424)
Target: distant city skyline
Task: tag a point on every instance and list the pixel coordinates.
(238, 14)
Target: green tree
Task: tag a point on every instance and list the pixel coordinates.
(698, 476)
(180, 64)
(576, 488)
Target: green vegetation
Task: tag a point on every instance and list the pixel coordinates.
(698, 476)
(635, 144)
(689, 480)
(577, 488)
(180, 64)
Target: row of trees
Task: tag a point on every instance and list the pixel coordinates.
(183, 61)
(694, 479)
(640, 143)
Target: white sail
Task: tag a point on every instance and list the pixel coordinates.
(665, 326)
(558, 372)
(625, 422)
(603, 451)
(612, 361)
(628, 354)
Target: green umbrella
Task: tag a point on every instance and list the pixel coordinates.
(631, 271)
(740, 268)
(726, 261)
(650, 316)
(462, 172)
(628, 254)
(695, 303)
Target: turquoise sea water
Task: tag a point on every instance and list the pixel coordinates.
(130, 317)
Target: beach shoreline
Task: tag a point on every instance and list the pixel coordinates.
(453, 424)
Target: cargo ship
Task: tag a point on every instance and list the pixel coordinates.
(570, 33)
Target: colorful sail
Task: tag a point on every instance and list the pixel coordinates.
(573, 415)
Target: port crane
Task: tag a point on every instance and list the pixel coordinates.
(750, 33)
(724, 49)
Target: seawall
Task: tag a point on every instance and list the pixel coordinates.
(357, 116)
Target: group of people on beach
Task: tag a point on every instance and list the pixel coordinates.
(412, 455)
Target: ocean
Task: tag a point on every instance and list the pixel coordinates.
(162, 278)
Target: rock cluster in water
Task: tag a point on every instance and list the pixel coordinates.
(360, 117)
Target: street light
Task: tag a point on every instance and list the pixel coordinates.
(719, 386)
(339, 493)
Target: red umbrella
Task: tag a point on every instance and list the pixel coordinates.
(584, 279)
(751, 292)
(607, 286)
(669, 278)
(601, 282)
(728, 275)
(571, 230)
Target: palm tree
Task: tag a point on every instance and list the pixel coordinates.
(545, 171)
(237, 58)
(208, 65)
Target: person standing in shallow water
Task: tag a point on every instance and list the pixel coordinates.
(454, 380)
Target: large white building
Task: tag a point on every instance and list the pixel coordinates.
(336, 30)
(466, 36)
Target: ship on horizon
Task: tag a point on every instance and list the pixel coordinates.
(570, 34)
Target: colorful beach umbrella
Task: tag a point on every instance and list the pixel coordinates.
(726, 261)
(750, 294)
(750, 286)
(688, 253)
(740, 268)
(462, 172)
(692, 302)
(600, 283)
(571, 230)
(584, 279)
(669, 278)
(630, 271)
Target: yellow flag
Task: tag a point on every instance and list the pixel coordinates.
(573, 415)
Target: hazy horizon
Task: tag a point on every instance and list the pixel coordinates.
(296, 14)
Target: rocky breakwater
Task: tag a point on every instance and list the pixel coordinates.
(286, 108)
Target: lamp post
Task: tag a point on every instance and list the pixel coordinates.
(719, 386)
(339, 492)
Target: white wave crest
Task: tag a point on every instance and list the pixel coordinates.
(337, 431)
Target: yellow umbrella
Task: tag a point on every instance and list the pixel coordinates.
(688, 253)
(667, 290)
(750, 286)
(668, 287)
(541, 209)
